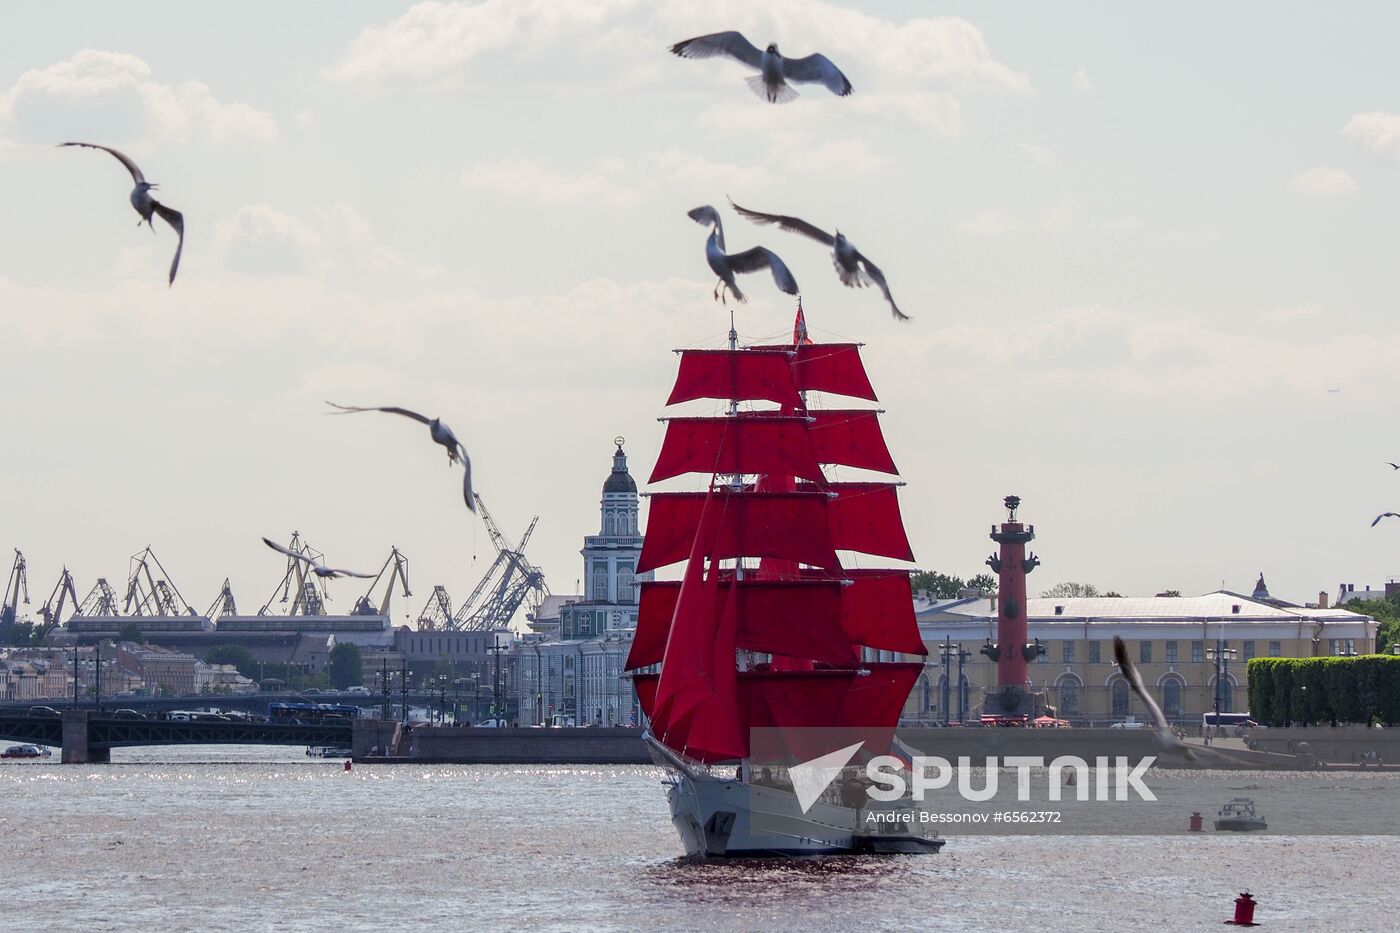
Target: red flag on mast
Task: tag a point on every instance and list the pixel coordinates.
(799, 327)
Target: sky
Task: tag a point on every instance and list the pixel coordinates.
(1149, 254)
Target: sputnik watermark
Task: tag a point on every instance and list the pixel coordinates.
(1110, 781)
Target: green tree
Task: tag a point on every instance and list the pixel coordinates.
(345, 669)
(984, 582)
(937, 585)
(1070, 589)
(1113, 594)
(240, 657)
(1386, 611)
(130, 632)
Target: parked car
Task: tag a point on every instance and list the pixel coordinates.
(311, 692)
(128, 714)
(358, 691)
(48, 711)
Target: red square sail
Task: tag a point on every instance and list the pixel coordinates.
(797, 618)
(865, 517)
(756, 444)
(850, 438)
(877, 698)
(830, 367)
(791, 525)
(745, 375)
(877, 610)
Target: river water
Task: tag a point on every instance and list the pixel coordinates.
(262, 839)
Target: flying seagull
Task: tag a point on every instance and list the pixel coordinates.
(775, 71)
(145, 204)
(1162, 732)
(1384, 515)
(317, 567)
(725, 265)
(854, 270)
(440, 433)
(1394, 466)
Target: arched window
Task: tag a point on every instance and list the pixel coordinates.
(1120, 698)
(1171, 698)
(625, 591)
(925, 694)
(1069, 697)
(1227, 696)
(600, 581)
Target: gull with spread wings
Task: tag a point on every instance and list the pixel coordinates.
(146, 205)
(774, 71)
(725, 265)
(317, 567)
(854, 270)
(1162, 730)
(440, 433)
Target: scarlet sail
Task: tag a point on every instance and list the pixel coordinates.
(801, 625)
(765, 444)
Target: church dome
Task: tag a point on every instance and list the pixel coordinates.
(619, 481)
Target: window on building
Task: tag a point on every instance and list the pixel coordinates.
(1171, 652)
(600, 581)
(1198, 651)
(625, 592)
(1275, 649)
(1171, 699)
(1069, 697)
(1145, 652)
(1093, 652)
(1120, 698)
(1067, 651)
(1248, 650)
(1226, 692)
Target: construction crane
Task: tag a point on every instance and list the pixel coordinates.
(65, 594)
(511, 581)
(100, 602)
(151, 593)
(17, 587)
(308, 595)
(437, 614)
(397, 568)
(223, 603)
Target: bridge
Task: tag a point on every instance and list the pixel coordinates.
(88, 736)
(255, 702)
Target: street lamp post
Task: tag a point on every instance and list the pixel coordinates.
(945, 651)
(1221, 655)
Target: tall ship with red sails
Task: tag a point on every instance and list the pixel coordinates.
(768, 630)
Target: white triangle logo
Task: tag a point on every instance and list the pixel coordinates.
(810, 779)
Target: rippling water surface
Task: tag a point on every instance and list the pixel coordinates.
(253, 839)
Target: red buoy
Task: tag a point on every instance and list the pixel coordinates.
(347, 764)
(1244, 911)
(1196, 822)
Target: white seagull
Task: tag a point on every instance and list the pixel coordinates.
(146, 205)
(852, 267)
(317, 567)
(1166, 739)
(725, 265)
(774, 71)
(440, 433)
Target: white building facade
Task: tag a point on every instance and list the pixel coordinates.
(574, 676)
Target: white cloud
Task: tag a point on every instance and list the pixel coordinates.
(437, 42)
(336, 241)
(1376, 133)
(1322, 183)
(1082, 84)
(530, 180)
(842, 156)
(1290, 313)
(1038, 153)
(116, 90)
(992, 222)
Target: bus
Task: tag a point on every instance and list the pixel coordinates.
(310, 713)
(1234, 723)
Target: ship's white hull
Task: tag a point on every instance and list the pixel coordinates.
(719, 817)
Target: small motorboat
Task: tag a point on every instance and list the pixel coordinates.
(328, 751)
(1238, 816)
(26, 751)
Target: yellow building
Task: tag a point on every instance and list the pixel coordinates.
(1173, 640)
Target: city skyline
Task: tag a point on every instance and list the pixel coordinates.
(1137, 270)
